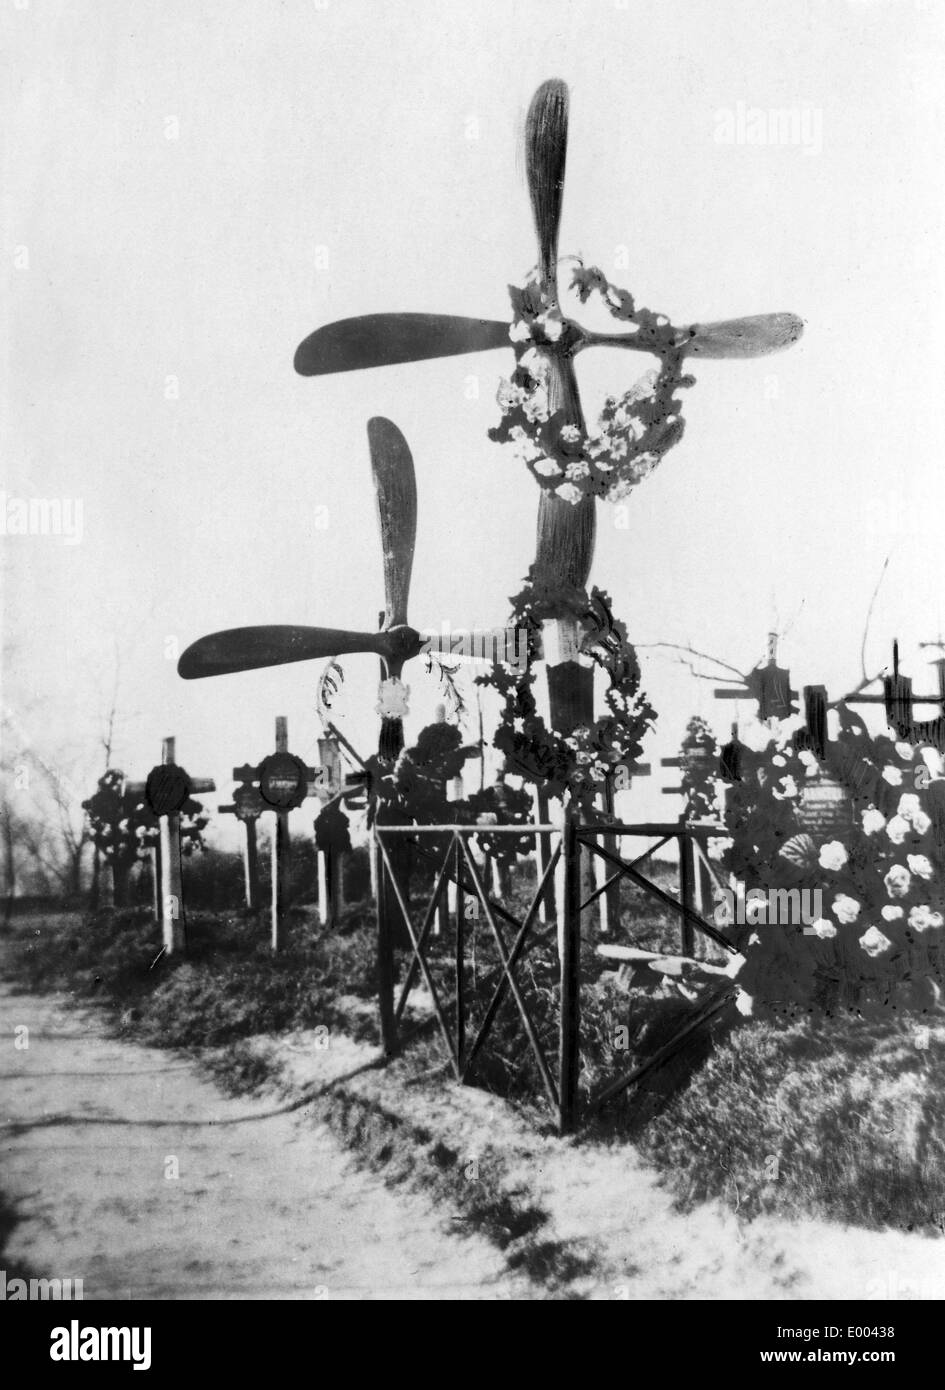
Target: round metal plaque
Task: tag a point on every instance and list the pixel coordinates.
(166, 789)
(282, 781)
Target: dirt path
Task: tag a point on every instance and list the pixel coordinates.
(260, 1208)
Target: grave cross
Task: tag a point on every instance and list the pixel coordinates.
(282, 782)
(248, 806)
(167, 791)
(565, 540)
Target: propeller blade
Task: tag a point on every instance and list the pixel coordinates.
(546, 147)
(395, 485)
(566, 533)
(383, 340)
(248, 648)
(754, 336)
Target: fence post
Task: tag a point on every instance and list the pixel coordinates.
(686, 867)
(251, 865)
(546, 908)
(569, 1036)
(385, 951)
(460, 956)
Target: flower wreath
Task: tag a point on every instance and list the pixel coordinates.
(881, 874)
(581, 762)
(632, 434)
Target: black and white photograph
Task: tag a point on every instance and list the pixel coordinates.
(472, 729)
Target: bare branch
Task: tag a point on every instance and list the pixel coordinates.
(703, 656)
(866, 625)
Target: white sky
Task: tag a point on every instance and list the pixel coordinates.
(346, 126)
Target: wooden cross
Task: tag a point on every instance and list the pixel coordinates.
(167, 790)
(769, 684)
(283, 782)
(248, 806)
(898, 699)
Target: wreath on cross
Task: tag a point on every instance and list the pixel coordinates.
(582, 761)
(632, 434)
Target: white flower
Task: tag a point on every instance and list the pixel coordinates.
(523, 445)
(619, 490)
(617, 448)
(897, 829)
(908, 805)
(509, 395)
(536, 363)
(578, 469)
(392, 696)
(832, 856)
(644, 387)
(920, 822)
(788, 789)
(874, 943)
(811, 765)
(905, 751)
(892, 775)
(824, 929)
(570, 434)
(778, 761)
(744, 1003)
(898, 881)
(547, 468)
(569, 493)
(552, 324)
(891, 913)
(642, 466)
(873, 820)
(845, 908)
(536, 405)
(599, 771)
(923, 919)
(919, 865)
(521, 331)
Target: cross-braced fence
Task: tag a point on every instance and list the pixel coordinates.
(516, 938)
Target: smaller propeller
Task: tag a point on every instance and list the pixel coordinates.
(253, 648)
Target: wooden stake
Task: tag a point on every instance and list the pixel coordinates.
(172, 899)
(280, 851)
(156, 881)
(251, 865)
(570, 976)
(324, 905)
(546, 908)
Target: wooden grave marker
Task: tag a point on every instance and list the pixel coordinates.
(167, 789)
(283, 782)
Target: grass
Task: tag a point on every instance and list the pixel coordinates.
(841, 1122)
(229, 987)
(836, 1119)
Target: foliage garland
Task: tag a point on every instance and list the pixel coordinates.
(580, 762)
(632, 434)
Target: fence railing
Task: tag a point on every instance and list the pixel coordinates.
(563, 845)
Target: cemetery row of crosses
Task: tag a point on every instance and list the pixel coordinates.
(820, 808)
